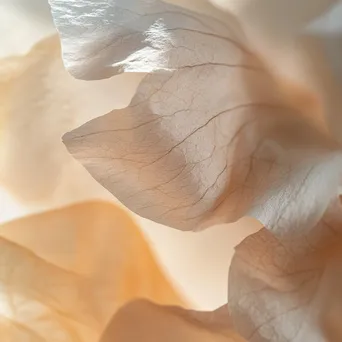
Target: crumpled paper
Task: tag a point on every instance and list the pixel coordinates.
(276, 298)
(68, 273)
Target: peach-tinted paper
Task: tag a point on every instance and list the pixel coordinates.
(64, 273)
(144, 321)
